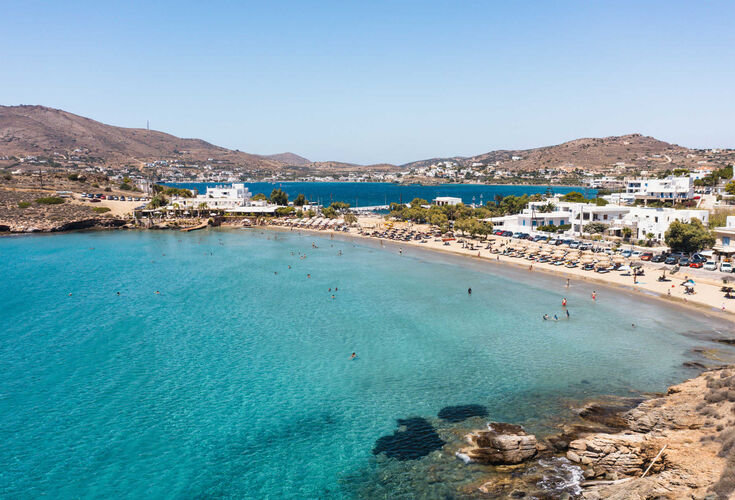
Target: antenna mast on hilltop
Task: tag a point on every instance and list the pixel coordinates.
(148, 124)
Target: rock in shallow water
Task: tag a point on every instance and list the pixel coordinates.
(501, 444)
(462, 412)
(417, 440)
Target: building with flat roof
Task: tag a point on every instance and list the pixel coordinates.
(674, 189)
(725, 239)
(446, 200)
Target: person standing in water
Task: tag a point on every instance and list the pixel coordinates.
(594, 294)
(469, 291)
(564, 302)
(567, 313)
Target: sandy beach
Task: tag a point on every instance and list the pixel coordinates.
(708, 296)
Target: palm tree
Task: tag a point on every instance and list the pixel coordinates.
(201, 206)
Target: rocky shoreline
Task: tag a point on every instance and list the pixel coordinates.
(678, 445)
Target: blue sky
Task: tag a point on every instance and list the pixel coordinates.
(380, 81)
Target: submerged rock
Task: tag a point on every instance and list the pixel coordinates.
(501, 444)
(462, 412)
(417, 440)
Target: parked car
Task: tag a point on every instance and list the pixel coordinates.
(726, 267)
(658, 258)
(671, 260)
(710, 265)
(696, 265)
(574, 244)
(585, 246)
(646, 256)
(626, 253)
(507, 234)
(684, 262)
(636, 254)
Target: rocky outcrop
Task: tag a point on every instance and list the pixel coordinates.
(612, 455)
(691, 421)
(501, 444)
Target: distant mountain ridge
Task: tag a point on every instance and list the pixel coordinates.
(586, 153)
(43, 131)
(39, 130)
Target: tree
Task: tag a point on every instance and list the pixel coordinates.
(730, 187)
(595, 227)
(283, 211)
(546, 209)
(300, 200)
(329, 212)
(279, 197)
(350, 218)
(627, 233)
(574, 196)
(259, 197)
(340, 206)
(688, 236)
(437, 218)
(158, 200)
(418, 202)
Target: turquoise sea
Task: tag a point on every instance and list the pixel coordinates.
(236, 380)
(361, 194)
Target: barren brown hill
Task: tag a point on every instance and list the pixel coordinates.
(38, 130)
(289, 159)
(588, 154)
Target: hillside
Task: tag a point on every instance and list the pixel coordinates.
(38, 130)
(633, 150)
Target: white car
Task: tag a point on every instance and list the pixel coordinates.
(636, 254)
(710, 265)
(726, 267)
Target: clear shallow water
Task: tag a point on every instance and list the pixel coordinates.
(362, 194)
(235, 381)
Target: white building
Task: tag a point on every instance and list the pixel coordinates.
(577, 215)
(669, 189)
(648, 220)
(446, 200)
(725, 244)
(641, 220)
(235, 197)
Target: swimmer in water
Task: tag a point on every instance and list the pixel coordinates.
(556, 318)
(594, 294)
(308, 275)
(469, 291)
(354, 356)
(333, 296)
(546, 316)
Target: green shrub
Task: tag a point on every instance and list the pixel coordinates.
(73, 177)
(50, 200)
(24, 204)
(101, 210)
